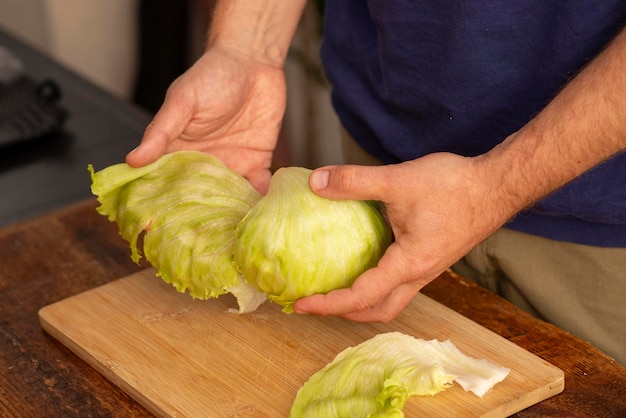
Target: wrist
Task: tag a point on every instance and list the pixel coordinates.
(261, 30)
(508, 185)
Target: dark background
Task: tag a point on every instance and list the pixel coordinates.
(50, 171)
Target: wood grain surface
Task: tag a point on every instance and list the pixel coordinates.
(183, 357)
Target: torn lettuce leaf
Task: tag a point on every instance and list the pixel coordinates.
(377, 377)
(185, 207)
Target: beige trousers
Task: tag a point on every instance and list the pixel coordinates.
(579, 288)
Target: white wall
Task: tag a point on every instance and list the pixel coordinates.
(95, 38)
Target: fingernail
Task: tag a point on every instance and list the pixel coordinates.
(319, 179)
(300, 311)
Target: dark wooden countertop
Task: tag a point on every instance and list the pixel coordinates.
(74, 249)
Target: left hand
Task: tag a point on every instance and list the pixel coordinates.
(227, 104)
(439, 207)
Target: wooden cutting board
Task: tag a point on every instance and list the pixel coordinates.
(183, 357)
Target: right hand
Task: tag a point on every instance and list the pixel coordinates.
(439, 207)
(228, 105)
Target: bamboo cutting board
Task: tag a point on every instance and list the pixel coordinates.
(181, 357)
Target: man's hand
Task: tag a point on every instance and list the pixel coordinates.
(227, 105)
(231, 102)
(438, 211)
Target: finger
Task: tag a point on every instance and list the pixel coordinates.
(167, 125)
(368, 292)
(389, 307)
(260, 180)
(383, 311)
(356, 182)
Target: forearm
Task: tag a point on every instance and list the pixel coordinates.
(584, 125)
(262, 29)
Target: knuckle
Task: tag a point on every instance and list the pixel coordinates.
(361, 305)
(385, 317)
(345, 178)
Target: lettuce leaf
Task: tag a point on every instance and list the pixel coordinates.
(377, 377)
(184, 209)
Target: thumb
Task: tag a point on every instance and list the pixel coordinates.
(349, 182)
(167, 125)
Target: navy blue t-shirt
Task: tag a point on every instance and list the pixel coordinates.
(412, 77)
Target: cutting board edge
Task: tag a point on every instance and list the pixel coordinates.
(533, 397)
